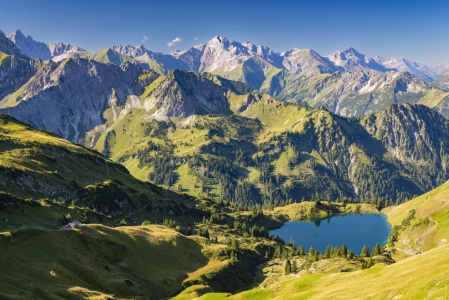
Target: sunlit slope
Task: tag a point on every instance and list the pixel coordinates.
(419, 277)
(38, 164)
(430, 226)
(142, 262)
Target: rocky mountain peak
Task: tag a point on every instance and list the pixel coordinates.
(291, 51)
(17, 34)
(44, 51)
(8, 47)
(183, 94)
(352, 60)
(217, 40)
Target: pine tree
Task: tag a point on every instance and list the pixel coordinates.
(284, 253)
(311, 251)
(275, 253)
(294, 267)
(366, 264)
(288, 267)
(370, 262)
(334, 251)
(232, 256)
(350, 255)
(316, 256)
(376, 250)
(343, 251)
(365, 251)
(327, 253)
(235, 244)
(301, 250)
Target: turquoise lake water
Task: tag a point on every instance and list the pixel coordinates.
(352, 230)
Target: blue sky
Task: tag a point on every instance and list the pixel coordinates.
(416, 30)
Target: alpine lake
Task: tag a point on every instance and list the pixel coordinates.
(352, 230)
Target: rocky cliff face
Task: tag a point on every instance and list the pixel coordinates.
(412, 133)
(360, 93)
(69, 98)
(44, 51)
(15, 68)
(183, 94)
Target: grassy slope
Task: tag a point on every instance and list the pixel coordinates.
(430, 226)
(98, 260)
(40, 154)
(17, 213)
(38, 164)
(379, 282)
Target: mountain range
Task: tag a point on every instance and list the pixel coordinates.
(132, 174)
(220, 54)
(345, 82)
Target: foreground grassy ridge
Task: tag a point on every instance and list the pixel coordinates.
(129, 262)
(419, 277)
(430, 226)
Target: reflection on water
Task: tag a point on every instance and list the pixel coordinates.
(352, 230)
